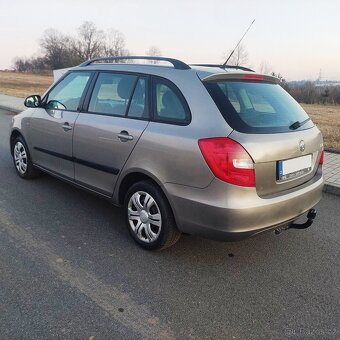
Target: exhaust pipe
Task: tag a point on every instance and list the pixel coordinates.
(310, 219)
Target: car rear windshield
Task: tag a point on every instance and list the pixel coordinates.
(257, 107)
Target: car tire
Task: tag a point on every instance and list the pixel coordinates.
(149, 217)
(22, 160)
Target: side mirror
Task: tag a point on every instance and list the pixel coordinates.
(33, 101)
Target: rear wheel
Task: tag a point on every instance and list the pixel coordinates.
(22, 160)
(149, 217)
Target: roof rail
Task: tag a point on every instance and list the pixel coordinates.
(226, 66)
(179, 65)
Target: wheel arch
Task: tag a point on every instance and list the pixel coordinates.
(131, 178)
(15, 134)
(134, 176)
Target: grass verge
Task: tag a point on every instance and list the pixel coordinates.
(327, 118)
(23, 84)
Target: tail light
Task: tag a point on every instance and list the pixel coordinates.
(228, 161)
(322, 156)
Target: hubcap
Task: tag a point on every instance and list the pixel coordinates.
(20, 157)
(144, 216)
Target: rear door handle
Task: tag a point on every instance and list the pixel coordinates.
(124, 136)
(66, 126)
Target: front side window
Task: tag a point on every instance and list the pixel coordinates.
(170, 105)
(67, 93)
(257, 107)
(112, 93)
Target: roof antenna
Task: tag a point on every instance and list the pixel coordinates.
(225, 63)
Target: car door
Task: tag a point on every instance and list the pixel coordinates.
(51, 126)
(105, 135)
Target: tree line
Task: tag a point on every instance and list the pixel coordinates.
(59, 50)
(311, 93)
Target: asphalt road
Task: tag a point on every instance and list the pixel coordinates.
(69, 269)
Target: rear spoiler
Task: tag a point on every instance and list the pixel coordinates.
(242, 76)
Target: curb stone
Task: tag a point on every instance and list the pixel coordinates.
(331, 189)
(332, 150)
(10, 109)
(10, 103)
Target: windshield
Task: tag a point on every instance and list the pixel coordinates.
(257, 107)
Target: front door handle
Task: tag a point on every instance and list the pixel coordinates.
(124, 136)
(66, 126)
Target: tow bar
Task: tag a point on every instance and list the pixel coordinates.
(310, 218)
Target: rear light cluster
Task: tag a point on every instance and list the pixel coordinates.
(322, 156)
(228, 161)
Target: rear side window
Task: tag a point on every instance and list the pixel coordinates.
(139, 107)
(67, 93)
(112, 93)
(169, 104)
(257, 107)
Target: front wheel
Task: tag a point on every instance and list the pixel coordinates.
(149, 217)
(22, 160)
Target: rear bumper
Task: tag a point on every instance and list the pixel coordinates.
(226, 212)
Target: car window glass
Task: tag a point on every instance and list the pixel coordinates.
(112, 93)
(138, 107)
(256, 107)
(169, 106)
(229, 92)
(260, 103)
(67, 93)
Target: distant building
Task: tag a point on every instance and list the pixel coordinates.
(59, 73)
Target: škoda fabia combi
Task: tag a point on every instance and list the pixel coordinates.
(217, 151)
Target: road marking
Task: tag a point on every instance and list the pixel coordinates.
(136, 317)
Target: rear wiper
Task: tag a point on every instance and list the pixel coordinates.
(298, 124)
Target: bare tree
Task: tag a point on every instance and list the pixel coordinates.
(21, 64)
(240, 56)
(114, 45)
(90, 41)
(154, 51)
(56, 49)
(38, 64)
(59, 50)
(264, 67)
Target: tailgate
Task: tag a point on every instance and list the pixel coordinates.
(282, 161)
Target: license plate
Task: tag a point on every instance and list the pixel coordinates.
(295, 167)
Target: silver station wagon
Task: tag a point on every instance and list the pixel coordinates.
(217, 151)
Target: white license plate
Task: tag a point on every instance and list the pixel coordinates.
(295, 167)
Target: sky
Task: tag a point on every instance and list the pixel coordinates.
(294, 38)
